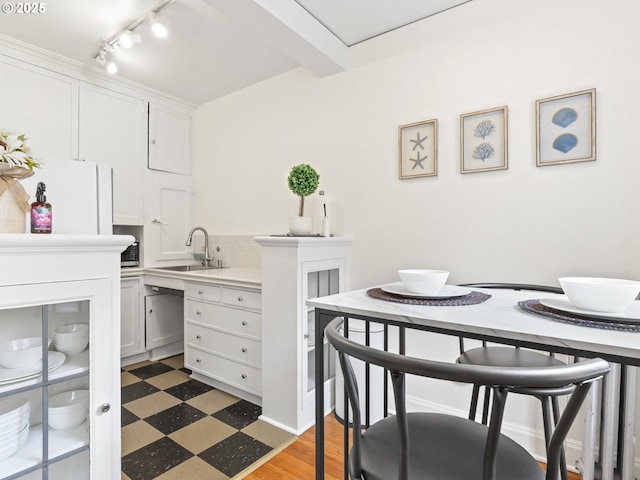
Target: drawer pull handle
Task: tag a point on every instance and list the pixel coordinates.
(244, 375)
(198, 312)
(200, 292)
(244, 349)
(239, 299)
(105, 407)
(244, 322)
(198, 337)
(198, 360)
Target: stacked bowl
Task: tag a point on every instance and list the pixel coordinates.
(14, 425)
(68, 409)
(71, 339)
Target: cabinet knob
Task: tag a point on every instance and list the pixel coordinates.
(306, 336)
(244, 322)
(239, 299)
(151, 310)
(244, 375)
(200, 292)
(198, 312)
(198, 337)
(198, 360)
(153, 141)
(105, 407)
(244, 349)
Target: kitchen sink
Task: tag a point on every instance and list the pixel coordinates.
(189, 268)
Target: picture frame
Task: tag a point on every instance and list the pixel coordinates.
(483, 140)
(566, 128)
(418, 149)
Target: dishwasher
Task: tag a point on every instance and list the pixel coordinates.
(164, 318)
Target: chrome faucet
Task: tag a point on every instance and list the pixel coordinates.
(207, 259)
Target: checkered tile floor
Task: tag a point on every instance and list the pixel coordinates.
(174, 427)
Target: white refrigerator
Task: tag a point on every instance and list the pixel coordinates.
(80, 194)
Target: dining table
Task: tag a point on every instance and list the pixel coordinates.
(521, 318)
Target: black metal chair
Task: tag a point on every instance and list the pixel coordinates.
(500, 356)
(431, 446)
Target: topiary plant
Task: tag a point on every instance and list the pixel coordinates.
(303, 181)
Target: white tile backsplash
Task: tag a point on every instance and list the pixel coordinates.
(239, 251)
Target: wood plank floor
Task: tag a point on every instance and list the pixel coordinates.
(297, 462)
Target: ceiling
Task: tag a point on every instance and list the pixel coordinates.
(216, 47)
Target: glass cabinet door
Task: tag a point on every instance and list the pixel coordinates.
(319, 279)
(46, 378)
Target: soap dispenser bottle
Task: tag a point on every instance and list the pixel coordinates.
(41, 218)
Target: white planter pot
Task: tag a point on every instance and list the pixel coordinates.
(300, 225)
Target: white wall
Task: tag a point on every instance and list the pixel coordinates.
(525, 224)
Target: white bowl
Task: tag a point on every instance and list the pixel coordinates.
(71, 339)
(609, 295)
(21, 352)
(71, 347)
(68, 409)
(423, 281)
(74, 329)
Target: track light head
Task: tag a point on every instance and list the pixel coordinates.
(159, 25)
(128, 39)
(112, 68)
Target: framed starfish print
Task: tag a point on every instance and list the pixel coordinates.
(418, 149)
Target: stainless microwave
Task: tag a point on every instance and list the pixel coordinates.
(130, 257)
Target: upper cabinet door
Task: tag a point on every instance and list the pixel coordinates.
(112, 131)
(169, 139)
(42, 105)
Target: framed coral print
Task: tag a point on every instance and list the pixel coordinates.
(483, 140)
(418, 149)
(566, 128)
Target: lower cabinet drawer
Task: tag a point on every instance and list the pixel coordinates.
(227, 318)
(225, 370)
(242, 348)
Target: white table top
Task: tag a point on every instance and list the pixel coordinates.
(500, 317)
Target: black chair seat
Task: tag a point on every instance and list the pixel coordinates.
(442, 447)
(515, 357)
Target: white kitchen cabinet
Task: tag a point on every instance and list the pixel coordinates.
(132, 341)
(164, 320)
(223, 344)
(41, 104)
(45, 282)
(295, 269)
(112, 131)
(169, 138)
(168, 218)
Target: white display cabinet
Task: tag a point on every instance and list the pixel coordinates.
(47, 281)
(295, 269)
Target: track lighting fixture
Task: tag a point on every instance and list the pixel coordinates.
(127, 37)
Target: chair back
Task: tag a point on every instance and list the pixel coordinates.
(499, 378)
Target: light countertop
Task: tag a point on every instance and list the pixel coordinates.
(250, 277)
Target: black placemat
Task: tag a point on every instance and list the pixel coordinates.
(472, 298)
(535, 306)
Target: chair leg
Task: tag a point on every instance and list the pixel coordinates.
(473, 408)
(550, 404)
(563, 457)
(485, 408)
